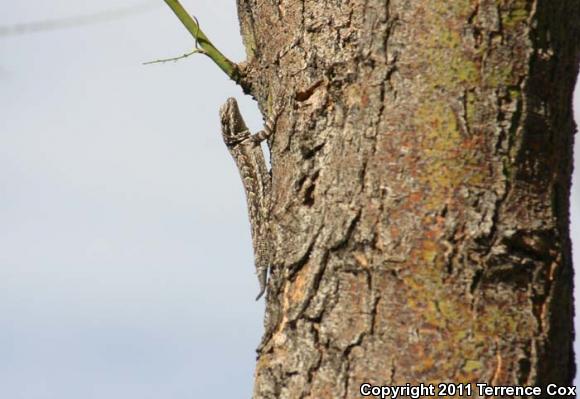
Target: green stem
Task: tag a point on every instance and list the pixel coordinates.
(208, 48)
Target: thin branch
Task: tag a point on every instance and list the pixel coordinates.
(200, 38)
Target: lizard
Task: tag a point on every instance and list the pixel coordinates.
(247, 153)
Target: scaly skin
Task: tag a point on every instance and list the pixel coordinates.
(247, 153)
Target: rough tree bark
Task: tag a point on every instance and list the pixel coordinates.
(421, 174)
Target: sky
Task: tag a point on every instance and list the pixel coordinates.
(125, 258)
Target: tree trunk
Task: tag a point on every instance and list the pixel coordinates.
(421, 175)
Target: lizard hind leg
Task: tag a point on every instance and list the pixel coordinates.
(262, 279)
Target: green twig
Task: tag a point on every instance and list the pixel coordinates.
(200, 38)
(174, 58)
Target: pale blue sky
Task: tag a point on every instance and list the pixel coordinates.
(125, 256)
(126, 267)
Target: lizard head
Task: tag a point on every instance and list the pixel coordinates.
(233, 127)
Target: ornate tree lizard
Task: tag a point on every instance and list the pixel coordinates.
(247, 153)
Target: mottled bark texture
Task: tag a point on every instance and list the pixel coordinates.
(421, 174)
